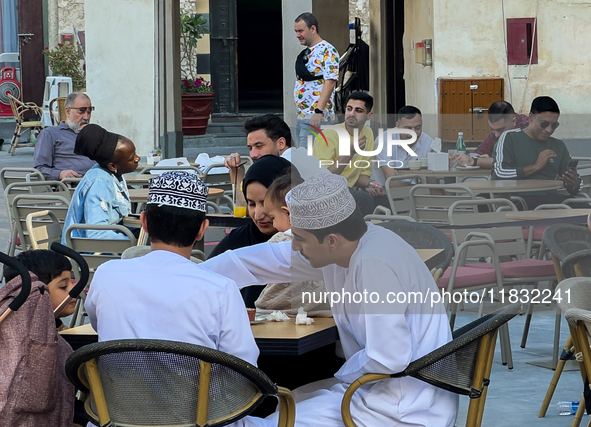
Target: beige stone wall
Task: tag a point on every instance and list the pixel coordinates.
(360, 9)
(469, 41)
(70, 15)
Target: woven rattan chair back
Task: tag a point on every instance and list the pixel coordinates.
(166, 383)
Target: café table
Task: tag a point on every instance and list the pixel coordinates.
(139, 195)
(455, 173)
(548, 214)
(272, 338)
(143, 165)
(504, 186)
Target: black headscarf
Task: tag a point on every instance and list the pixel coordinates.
(96, 143)
(265, 170)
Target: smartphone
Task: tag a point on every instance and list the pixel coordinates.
(572, 165)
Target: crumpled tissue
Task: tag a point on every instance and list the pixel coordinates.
(277, 316)
(302, 317)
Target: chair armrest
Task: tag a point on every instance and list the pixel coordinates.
(569, 265)
(346, 403)
(286, 408)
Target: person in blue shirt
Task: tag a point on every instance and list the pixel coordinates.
(101, 197)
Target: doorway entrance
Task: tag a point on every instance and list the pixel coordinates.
(246, 54)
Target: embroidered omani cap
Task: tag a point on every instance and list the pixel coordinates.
(180, 189)
(320, 202)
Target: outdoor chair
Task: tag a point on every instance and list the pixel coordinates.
(462, 366)
(577, 264)
(432, 208)
(10, 175)
(95, 252)
(376, 219)
(25, 204)
(43, 229)
(566, 243)
(399, 197)
(20, 111)
(517, 269)
(535, 234)
(61, 110)
(422, 236)
(141, 382)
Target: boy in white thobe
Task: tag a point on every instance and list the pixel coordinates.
(164, 295)
(382, 327)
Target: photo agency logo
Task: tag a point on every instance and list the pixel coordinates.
(384, 137)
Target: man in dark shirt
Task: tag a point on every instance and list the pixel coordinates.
(501, 117)
(54, 152)
(532, 153)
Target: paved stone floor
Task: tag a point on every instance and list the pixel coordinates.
(514, 396)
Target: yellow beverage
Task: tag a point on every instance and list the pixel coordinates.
(239, 211)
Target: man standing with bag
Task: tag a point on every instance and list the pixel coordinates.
(317, 71)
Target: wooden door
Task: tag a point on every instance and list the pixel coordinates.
(224, 69)
(455, 101)
(32, 63)
(463, 107)
(484, 93)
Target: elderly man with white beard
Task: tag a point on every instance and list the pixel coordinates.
(54, 152)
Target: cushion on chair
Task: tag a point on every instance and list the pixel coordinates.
(538, 232)
(522, 268)
(468, 276)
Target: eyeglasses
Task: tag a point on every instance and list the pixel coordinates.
(545, 123)
(82, 110)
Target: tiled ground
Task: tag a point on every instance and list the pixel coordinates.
(514, 395)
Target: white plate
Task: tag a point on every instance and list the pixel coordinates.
(468, 167)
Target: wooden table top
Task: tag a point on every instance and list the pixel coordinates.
(138, 195)
(513, 185)
(445, 174)
(272, 338)
(547, 214)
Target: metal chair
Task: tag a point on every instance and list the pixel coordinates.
(43, 232)
(535, 234)
(95, 252)
(11, 175)
(462, 366)
(140, 382)
(19, 110)
(376, 219)
(25, 204)
(430, 207)
(399, 197)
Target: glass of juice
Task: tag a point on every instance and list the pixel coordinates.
(239, 204)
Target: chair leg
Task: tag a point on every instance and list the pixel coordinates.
(15, 139)
(556, 345)
(579, 413)
(530, 310)
(507, 357)
(286, 408)
(567, 352)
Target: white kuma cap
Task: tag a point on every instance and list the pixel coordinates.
(320, 202)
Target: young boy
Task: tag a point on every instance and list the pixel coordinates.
(54, 270)
(275, 204)
(287, 296)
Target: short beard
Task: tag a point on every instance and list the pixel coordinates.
(76, 126)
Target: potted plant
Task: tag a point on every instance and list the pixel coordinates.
(64, 60)
(197, 93)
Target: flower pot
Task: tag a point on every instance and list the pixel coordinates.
(196, 108)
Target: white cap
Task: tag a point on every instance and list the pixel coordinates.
(320, 202)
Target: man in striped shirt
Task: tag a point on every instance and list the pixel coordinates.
(532, 153)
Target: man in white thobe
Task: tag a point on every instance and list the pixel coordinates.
(164, 295)
(382, 329)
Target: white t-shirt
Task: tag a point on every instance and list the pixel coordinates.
(421, 147)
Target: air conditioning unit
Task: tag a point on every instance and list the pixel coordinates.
(9, 85)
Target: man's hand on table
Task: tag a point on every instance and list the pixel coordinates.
(462, 159)
(68, 173)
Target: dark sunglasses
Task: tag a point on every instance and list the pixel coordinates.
(82, 110)
(545, 123)
(305, 55)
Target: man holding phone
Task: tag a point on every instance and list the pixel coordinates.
(532, 153)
